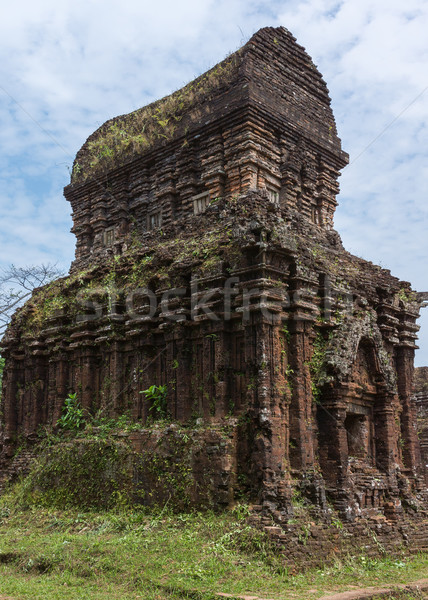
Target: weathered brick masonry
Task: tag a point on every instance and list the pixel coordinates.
(206, 261)
(420, 390)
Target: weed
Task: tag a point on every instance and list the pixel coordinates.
(157, 395)
(72, 417)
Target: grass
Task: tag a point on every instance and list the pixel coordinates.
(133, 554)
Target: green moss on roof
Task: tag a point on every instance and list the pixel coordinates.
(121, 139)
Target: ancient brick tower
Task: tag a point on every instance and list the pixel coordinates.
(206, 261)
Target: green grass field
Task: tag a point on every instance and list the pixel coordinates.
(48, 554)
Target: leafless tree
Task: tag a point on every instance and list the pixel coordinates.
(17, 284)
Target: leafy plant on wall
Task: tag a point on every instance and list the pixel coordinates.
(72, 417)
(157, 396)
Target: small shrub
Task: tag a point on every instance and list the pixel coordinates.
(72, 417)
(157, 395)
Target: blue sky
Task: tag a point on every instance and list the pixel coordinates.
(68, 66)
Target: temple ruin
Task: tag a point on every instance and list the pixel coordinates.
(207, 262)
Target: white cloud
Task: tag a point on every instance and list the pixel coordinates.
(73, 64)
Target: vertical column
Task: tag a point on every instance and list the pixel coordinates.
(61, 385)
(405, 371)
(269, 453)
(291, 163)
(241, 160)
(327, 189)
(51, 391)
(301, 433)
(116, 372)
(171, 365)
(99, 220)
(182, 374)
(186, 178)
(138, 198)
(210, 342)
(165, 192)
(27, 402)
(11, 376)
(213, 173)
(222, 350)
(87, 378)
(333, 442)
(120, 217)
(39, 413)
(386, 434)
(81, 205)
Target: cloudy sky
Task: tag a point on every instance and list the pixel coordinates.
(69, 65)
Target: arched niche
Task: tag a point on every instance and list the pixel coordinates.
(365, 403)
(357, 411)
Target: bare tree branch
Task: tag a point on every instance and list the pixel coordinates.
(17, 285)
